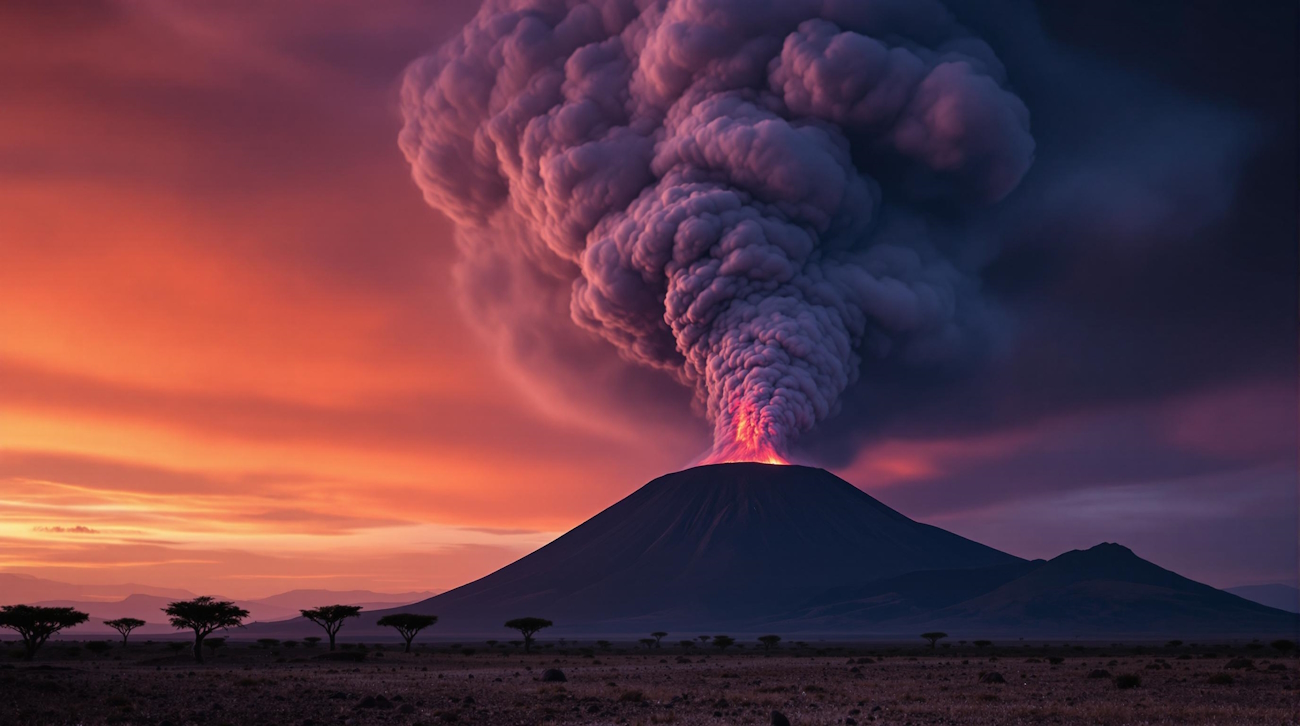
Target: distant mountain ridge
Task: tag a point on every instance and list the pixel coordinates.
(16, 588)
(1103, 590)
(1282, 597)
(104, 602)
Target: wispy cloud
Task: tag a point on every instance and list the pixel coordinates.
(78, 529)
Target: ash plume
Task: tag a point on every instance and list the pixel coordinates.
(751, 196)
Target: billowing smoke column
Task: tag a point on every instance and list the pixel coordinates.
(739, 190)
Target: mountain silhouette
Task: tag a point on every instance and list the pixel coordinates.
(1277, 595)
(711, 546)
(1108, 589)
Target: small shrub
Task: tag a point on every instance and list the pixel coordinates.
(345, 656)
(98, 647)
(1127, 680)
(1220, 679)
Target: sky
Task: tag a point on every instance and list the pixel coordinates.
(233, 358)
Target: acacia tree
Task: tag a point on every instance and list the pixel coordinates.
(528, 627)
(722, 642)
(704, 639)
(331, 617)
(36, 624)
(204, 615)
(658, 637)
(769, 641)
(408, 625)
(934, 637)
(124, 626)
(647, 642)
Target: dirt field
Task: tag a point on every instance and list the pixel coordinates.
(248, 684)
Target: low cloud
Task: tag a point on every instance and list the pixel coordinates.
(79, 529)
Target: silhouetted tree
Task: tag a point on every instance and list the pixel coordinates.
(769, 641)
(331, 617)
(311, 640)
(528, 627)
(1283, 646)
(124, 626)
(603, 644)
(408, 625)
(722, 642)
(934, 637)
(204, 615)
(658, 637)
(647, 642)
(35, 624)
(268, 643)
(686, 644)
(704, 639)
(982, 643)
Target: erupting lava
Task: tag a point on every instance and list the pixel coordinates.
(745, 435)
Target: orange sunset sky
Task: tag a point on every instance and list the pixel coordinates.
(231, 360)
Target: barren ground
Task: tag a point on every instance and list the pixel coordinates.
(817, 684)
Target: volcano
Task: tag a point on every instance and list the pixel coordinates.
(748, 547)
(713, 546)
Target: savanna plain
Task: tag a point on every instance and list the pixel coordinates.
(159, 684)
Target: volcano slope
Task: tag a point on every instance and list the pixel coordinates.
(713, 546)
